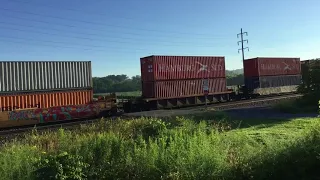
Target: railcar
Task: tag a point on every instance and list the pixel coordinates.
(167, 82)
(177, 81)
(33, 92)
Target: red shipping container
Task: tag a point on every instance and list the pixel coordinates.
(44, 99)
(268, 66)
(182, 88)
(154, 68)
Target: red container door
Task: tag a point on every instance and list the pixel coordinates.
(147, 69)
(250, 68)
(148, 90)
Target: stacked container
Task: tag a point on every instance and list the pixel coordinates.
(264, 72)
(181, 76)
(26, 84)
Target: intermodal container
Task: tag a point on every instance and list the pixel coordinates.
(272, 81)
(25, 76)
(155, 68)
(263, 66)
(44, 99)
(181, 88)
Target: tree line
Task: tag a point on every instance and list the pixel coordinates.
(124, 83)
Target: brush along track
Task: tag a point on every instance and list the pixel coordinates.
(19, 132)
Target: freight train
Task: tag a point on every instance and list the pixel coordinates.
(50, 91)
(176, 81)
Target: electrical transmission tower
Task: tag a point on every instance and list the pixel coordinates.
(242, 40)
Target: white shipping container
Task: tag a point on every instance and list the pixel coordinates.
(44, 75)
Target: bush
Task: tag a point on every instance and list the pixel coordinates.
(62, 166)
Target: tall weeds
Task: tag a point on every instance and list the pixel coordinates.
(178, 148)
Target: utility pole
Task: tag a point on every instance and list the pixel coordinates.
(242, 40)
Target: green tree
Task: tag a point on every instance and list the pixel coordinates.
(235, 80)
(122, 83)
(116, 83)
(310, 86)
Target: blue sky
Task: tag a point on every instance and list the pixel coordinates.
(114, 34)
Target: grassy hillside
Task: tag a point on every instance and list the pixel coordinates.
(206, 146)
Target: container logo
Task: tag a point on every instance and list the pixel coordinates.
(189, 68)
(284, 67)
(287, 67)
(202, 68)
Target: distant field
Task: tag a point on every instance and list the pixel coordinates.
(131, 93)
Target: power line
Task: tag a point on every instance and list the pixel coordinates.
(242, 40)
(92, 39)
(90, 47)
(69, 25)
(56, 46)
(96, 23)
(59, 42)
(64, 8)
(69, 9)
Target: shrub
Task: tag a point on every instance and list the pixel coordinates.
(62, 166)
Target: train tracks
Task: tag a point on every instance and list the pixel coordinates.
(7, 134)
(256, 102)
(259, 102)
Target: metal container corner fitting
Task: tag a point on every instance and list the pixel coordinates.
(10, 102)
(182, 88)
(25, 76)
(271, 66)
(156, 68)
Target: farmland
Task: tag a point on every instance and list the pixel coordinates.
(210, 145)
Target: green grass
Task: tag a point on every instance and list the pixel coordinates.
(203, 146)
(295, 106)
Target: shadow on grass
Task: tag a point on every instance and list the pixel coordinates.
(296, 106)
(299, 161)
(242, 118)
(234, 123)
